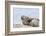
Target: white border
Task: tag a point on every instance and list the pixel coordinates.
(25, 29)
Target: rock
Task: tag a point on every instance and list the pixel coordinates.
(30, 21)
(25, 20)
(34, 23)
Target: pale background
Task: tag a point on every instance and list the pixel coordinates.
(2, 18)
(18, 12)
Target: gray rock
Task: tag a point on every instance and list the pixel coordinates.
(34, 23)
(25, 20)
(30, 21)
